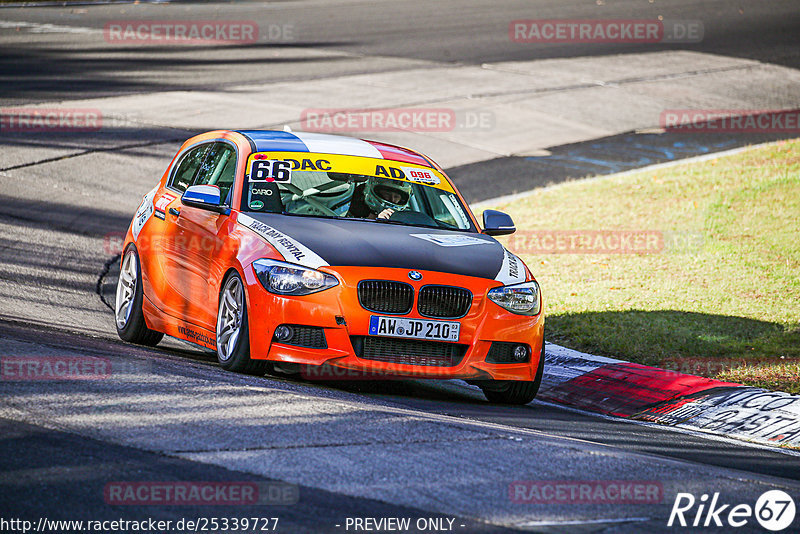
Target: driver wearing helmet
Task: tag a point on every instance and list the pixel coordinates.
(382, 197)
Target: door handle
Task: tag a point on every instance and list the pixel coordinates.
(175, 211)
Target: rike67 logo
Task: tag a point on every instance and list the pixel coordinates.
(774, 510)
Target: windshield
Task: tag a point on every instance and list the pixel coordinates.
(352, 187)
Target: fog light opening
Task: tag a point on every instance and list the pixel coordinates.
(284, 333)
(520, 353)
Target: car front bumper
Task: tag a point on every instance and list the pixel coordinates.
(339, 314)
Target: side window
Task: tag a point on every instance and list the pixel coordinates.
(218, 168)
(187, 168)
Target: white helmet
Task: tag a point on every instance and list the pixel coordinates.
(379, 193)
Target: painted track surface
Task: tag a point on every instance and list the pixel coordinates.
(425, 448)
(403, 448)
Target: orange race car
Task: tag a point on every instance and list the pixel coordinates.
(299, 251)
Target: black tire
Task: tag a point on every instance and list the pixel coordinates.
(130, 322)
(515, 391)
(237, 357)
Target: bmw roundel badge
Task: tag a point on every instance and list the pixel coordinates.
(415, 275)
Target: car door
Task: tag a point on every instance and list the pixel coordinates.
(160, 288)
(197, 237)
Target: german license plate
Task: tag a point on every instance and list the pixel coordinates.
(380, 325)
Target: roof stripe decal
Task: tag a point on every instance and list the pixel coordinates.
(399, 154)
(275, 141)
(334, 144)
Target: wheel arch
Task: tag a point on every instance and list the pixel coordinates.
(138, 327)
(224, 278)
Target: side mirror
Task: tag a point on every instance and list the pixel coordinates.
(497, 223)
(205, 197)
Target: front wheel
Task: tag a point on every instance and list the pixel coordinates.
(514, 391)
(128, 314)
(233, 334)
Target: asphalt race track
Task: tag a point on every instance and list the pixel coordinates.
(323, 455)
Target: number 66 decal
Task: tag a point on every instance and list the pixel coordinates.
(271, 170)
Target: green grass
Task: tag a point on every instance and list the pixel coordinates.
(721, 299)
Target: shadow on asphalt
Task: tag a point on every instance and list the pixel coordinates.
(454, 398)
(448, 397)
(75, 472)
(45, 73)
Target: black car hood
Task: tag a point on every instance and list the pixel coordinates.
(316, 241)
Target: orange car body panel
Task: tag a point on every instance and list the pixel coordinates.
(185, 259)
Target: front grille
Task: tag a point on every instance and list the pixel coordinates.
(408, 351)
(444, 302)
(385, 296)
(312, 337)
(503, 352)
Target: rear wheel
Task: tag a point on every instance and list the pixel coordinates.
(128, 314)
(233, 334)
(514, 391)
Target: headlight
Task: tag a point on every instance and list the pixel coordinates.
(523, 299)
(289, 279)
